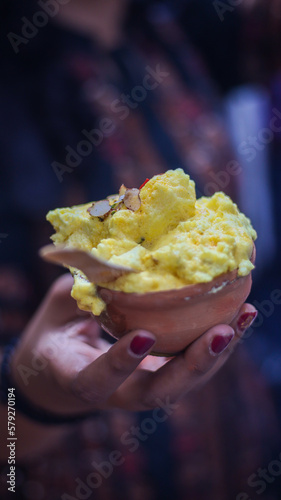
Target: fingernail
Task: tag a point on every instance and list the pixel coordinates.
(141, 344)
(246, 320)
(219, 343)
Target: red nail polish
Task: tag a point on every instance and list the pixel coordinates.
(140, 345)
(220, 342)
(246, 320)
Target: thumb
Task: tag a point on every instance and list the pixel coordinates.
(57, 308)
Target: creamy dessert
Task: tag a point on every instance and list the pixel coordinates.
(161, 231)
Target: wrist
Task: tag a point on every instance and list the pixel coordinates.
(22, 403)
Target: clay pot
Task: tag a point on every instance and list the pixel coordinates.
(176, 317)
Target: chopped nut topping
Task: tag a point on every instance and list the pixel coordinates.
(117, 204)
(132, 199)
(113, 198)
(122, 190)
(128, 197)
(99, 208)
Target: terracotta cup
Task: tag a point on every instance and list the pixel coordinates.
(176, 317)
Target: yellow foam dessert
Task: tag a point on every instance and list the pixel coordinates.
(170, 239)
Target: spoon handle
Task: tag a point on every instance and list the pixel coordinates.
(95, 269)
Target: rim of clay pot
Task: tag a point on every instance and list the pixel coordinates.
(186, 292)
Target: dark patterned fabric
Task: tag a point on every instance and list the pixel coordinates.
(54, 97)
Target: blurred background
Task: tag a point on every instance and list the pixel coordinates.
(97, 93)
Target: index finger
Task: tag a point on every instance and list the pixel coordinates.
(57, 307)
(185, 372)
(100, 379)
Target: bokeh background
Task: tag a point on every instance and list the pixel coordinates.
(76, 122)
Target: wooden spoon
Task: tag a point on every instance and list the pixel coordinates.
(97, 270)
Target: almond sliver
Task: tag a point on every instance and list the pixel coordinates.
(132, 199)
(99, 208)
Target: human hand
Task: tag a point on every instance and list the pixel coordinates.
(63, 366)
